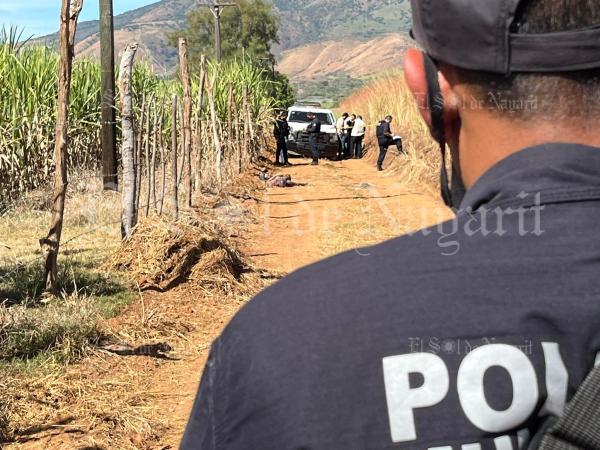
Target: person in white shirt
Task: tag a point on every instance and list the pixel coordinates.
(342, 136)
(358, 135)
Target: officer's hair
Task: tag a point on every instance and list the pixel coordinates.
(530, 95)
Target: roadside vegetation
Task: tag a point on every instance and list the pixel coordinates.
(390, 95)
(41, 335)
(28, 93)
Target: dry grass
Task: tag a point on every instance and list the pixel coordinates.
(390, 95)
(107, 401)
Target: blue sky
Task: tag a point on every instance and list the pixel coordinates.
(40, 17)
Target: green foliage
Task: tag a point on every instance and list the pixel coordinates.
(332, 89)
(240, 72)
(283, 91)
(250, 28)
(24, 283)
(28, 96)
(63, 328)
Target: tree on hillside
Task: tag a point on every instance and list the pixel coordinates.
(283, 91)
(249, 28)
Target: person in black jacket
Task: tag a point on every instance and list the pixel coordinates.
(385, 138)
(314, 129)
(281, 132)
(348, 127)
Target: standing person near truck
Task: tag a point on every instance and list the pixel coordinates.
(313, 130)
(358, 135)
(342, 135)
(348, 126)
(385, 138)
(281, 132)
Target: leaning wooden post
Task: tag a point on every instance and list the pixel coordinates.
(187, 114)
(174, 194)
(51, 243)
(128, 146)
(216, 140)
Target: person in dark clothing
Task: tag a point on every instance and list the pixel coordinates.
(493, 321)
(385, 138)
(313, 130)
(348, 127)
(281, 132)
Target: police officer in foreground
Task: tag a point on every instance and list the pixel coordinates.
(313, 130)
(494, 320)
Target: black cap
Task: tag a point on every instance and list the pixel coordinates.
(478, 35)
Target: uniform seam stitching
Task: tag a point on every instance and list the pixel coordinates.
(551, 197)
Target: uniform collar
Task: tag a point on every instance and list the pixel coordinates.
(549, 173)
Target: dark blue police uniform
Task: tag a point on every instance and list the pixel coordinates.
(491, 324)
(313, 130)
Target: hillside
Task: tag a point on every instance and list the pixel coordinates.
(345, 57)
(303, 23)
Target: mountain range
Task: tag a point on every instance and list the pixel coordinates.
(317, 37)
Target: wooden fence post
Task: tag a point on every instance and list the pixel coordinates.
(147, 155)
(153, 161)
(139, 145)
(199, 123)
(174, 194)
(128, 148)
(187, 114)
(51, 243)
(163, 159)
(236, 135)
(216, 140)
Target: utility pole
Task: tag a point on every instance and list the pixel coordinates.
(109, 125)
(217, 8)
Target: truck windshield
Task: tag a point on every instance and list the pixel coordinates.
(302, 117)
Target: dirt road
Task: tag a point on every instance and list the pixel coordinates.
(333, 207)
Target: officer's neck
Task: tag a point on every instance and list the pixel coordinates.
(485, 140)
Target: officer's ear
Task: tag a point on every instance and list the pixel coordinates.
(416, 80)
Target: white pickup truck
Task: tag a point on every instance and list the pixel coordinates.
(298, 121)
